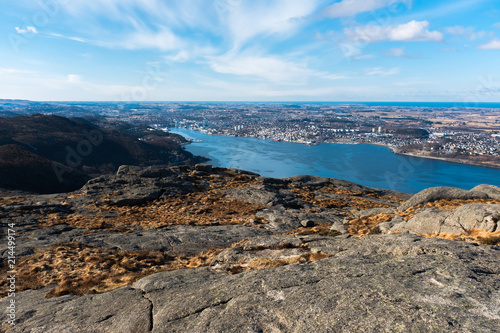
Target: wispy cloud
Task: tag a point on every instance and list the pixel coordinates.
(15, 71)
(494, 44)
(163, 40)
(347, 8)
(73, 78)
(77, 39)
(334, 76)
(281, 18)
(268, 68)
(379, 71)
(398, 52)
(414, 31)
(468, 32)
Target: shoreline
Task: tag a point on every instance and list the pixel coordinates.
(393, 149)
(452, 160)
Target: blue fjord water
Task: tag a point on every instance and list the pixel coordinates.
(369, 165)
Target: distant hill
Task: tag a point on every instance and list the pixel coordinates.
(48, 154)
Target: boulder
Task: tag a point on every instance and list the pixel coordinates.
(203, 167)
(473, 216)
(265, 195)
(492, 191)
(307, 223)
(426, 221)
(464, 218)
(372, 284)
(441, 193)
(373, 211)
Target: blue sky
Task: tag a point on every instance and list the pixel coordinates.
(250, 50)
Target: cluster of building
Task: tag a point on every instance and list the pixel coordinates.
(432, 131)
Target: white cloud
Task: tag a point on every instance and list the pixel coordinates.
(365, 56)
(468, 32)
(14, 71)
(77, 39)
(397, 52)
(269, 68)
(379, 71)
(163, 40)
(334, 76)
(73, 78)
(347, 8)
(282, 18)
(181, 56)
(416, 31)
(235, 21)
(496, 25)
(494, 44)
(27, 30)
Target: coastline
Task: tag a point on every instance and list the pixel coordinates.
(453, 160)
(394, 150)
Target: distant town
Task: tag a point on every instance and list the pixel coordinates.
(460, 134)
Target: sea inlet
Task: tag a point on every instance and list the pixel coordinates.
(369, 165)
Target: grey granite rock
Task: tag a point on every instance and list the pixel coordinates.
(339, 226)
(492, 191)
(307, 223)
(266, 195)
(124, 310)
(426, 221)
(203, 167)
(439, 193)
(373, 211)
(372, 284)
(282, 220)
(188, 240)
(473, 216)
(464, 218)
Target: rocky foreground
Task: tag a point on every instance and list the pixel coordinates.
(196, 249)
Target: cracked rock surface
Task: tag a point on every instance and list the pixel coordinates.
(202, 249)
(375, 284)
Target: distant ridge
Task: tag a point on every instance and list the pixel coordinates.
(48, 154)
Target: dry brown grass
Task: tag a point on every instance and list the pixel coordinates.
(392, 198)
(199, 208)
(10, 200)
(5, 328)
(448, 204)
(367, 225)
(475, 235)
(79, 269)
(352, 199)
(333, 189)
(320, 230)
(260, 263)
(77, 195)
(453, 204)
(226, 180)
